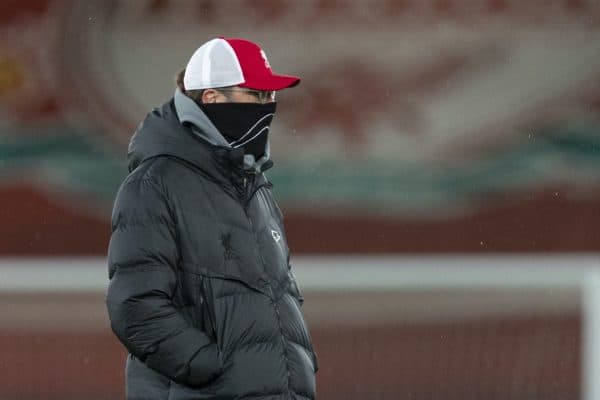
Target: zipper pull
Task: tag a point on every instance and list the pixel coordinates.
(245, 181)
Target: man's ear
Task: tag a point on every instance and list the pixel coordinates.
(209, 96)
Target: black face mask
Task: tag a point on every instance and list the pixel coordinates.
(244, 125)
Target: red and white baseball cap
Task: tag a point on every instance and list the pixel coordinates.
(225, 62)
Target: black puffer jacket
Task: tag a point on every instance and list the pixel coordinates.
(201, 292)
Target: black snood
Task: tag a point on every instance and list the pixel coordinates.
(244, 125)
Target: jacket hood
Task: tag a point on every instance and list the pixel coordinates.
(161, 133)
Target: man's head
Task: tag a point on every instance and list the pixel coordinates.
(231, 70)
(232, 82)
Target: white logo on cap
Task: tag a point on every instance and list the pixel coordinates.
(264, 56)
(276, 235)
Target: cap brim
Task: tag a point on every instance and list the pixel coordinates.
(273, 82)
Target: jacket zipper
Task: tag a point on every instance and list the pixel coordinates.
(269, 288)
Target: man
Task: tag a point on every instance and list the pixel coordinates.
(201, 291)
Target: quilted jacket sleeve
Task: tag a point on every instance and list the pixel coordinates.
(142, 259)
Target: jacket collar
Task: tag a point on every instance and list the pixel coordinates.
(189, 113)
(162, 134)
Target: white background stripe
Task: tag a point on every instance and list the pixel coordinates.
(348, 272)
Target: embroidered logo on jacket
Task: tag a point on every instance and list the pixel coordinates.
(276, 235)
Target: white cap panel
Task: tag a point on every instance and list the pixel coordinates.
(213, 65)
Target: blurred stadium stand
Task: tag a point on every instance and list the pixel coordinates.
(439, 169)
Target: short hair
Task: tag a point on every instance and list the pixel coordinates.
(195, 95)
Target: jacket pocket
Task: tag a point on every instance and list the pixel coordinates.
(196, 294)
(209, 312)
